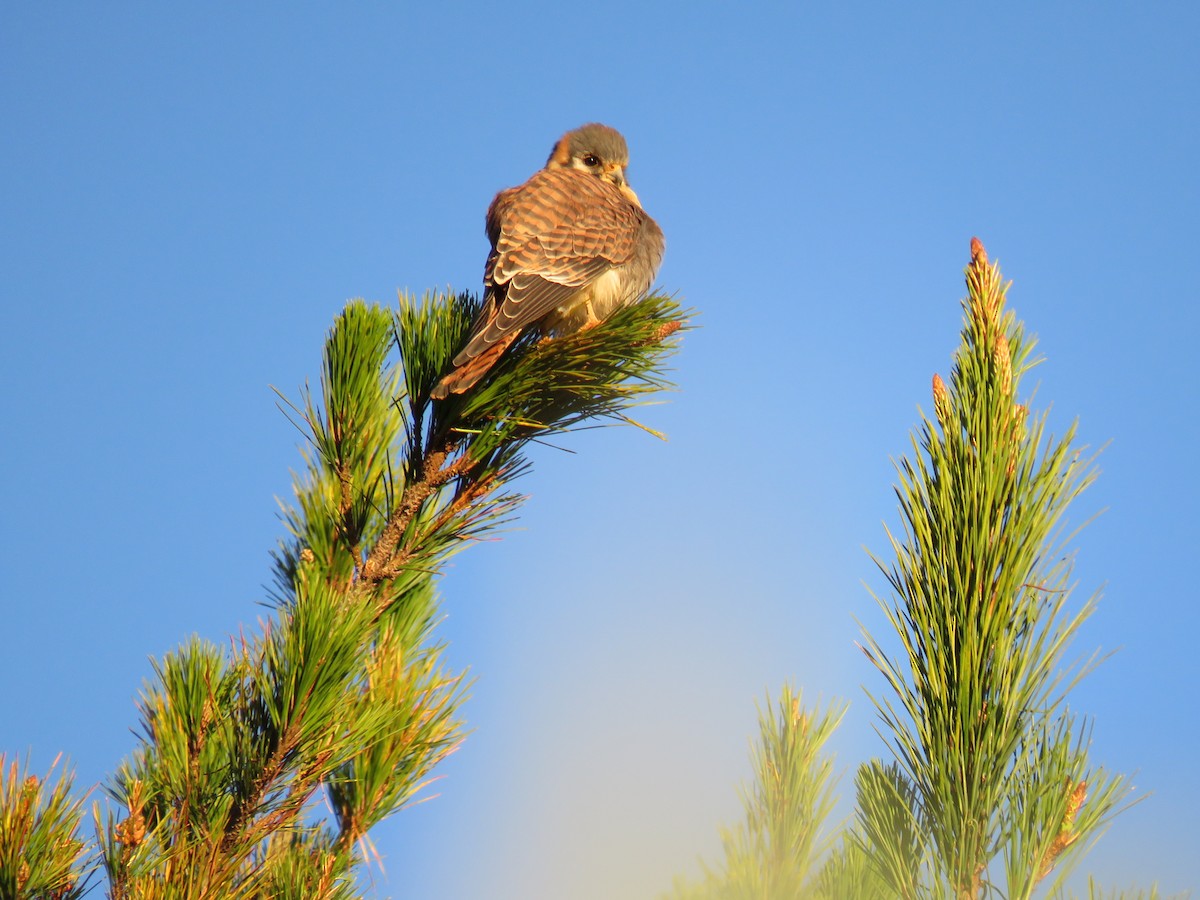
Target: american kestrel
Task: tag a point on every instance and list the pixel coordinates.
(569, 247)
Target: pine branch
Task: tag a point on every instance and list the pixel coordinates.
(344, 688)
(386, 559)
(774, 852)
(473, 442)
(987, 762)
(42, 854)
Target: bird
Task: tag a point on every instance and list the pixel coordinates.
(569, 247)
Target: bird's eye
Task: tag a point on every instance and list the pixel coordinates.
(591, 160)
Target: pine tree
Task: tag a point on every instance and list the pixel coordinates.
(343, 690)
(992, 788)
(990, 791)
(775, 851)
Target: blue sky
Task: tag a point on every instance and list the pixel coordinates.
(190, 195)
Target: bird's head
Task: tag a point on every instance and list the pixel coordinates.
(597, 150)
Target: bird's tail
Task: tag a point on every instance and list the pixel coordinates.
(467, 375)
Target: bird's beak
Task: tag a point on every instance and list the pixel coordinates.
(616, 174)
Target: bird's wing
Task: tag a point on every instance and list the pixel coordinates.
(550, 237)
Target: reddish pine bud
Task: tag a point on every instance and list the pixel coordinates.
(941, 402)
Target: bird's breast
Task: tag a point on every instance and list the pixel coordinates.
(594, 302)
